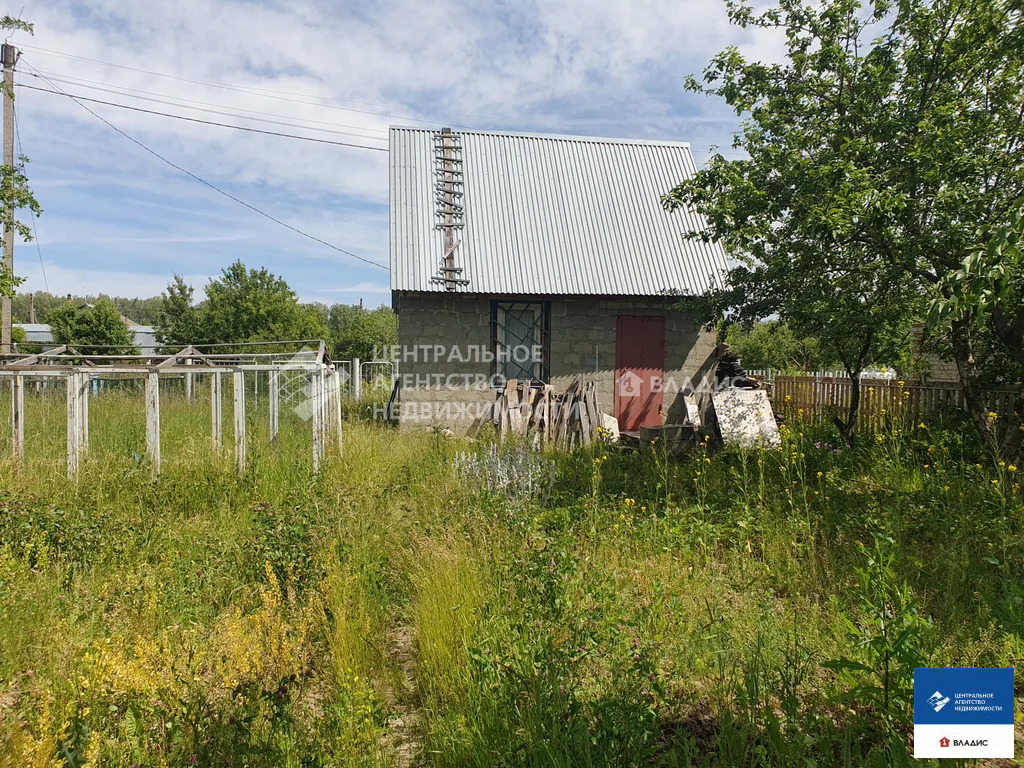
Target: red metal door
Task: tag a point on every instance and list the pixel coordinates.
(639, 370)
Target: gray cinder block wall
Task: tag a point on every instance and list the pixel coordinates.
(582, 340)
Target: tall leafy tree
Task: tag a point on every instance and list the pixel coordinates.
(889, 133)
(242, 305)
(90, 326)
(357, 332)
(177, 320)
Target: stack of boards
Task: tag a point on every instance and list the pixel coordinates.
(567, 420)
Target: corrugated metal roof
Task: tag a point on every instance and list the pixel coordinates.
(550, 215)
(41, 333)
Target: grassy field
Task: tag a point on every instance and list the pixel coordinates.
(428, 601)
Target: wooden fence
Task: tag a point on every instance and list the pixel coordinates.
(820, 398)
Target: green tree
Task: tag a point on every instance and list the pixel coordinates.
(177, 320)
(887, 135)
(772, 344)
(242, 305)
(20, 338)
(356, 332)
(142, 310)
(979, 308)
(14, 188)
(95, 325)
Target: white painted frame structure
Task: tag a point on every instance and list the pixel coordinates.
(77, 371)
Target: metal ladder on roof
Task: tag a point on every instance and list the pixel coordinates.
(448, 204)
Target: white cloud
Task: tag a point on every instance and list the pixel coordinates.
(61, 280)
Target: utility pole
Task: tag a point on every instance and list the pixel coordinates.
(10, 56)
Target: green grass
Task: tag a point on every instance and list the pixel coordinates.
(728, 609)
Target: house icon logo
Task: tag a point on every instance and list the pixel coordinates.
(629, 384)
(937, 701)
(943, 742)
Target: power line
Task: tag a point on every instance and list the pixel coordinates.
(179, 101)
(80, 99)
(35, 232)
(320, 101)
(206, 183)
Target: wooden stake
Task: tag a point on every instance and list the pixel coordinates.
(216, 412)
(84, 381)
(318, 419)
(73, 431)
(153, 419)
(336, 391)
(275, 404)
(188, 382)
(238, 378)
(18, 416)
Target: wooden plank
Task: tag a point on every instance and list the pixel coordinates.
(153, 419)
(238, 403)
(584, 416)
(510, 406)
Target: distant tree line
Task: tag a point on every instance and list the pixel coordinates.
(142, 311)
(241, 305)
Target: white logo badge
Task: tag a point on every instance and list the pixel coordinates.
(938, 701)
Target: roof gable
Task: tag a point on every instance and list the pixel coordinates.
(546, 215)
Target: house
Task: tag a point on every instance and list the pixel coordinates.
(542, 257)
(41, 335)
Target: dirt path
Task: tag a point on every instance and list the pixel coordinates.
(405, 734)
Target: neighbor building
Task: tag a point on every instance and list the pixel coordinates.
(540, 257)
(40, 335)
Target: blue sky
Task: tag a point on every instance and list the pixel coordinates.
(119, 221)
